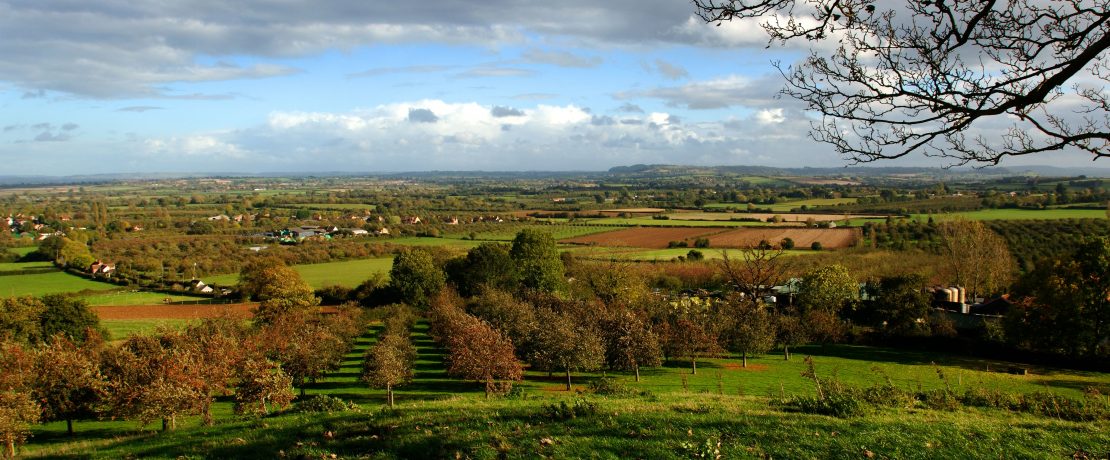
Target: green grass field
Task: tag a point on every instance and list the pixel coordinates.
(48, 283)
(649, 222)
(349, 273)
(22, 251)
(788, 205)
(16, 266)
(141, 298)
(557, 231)
(724, 407)
(336, 206)
(1019, 214)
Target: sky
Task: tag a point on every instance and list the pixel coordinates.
(254, 86)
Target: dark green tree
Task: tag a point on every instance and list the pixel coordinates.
(415, 277)
(488, 264)
(537, 257)
(69, 316)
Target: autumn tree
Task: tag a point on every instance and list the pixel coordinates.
(968, 81)
(789, 332)
(389, 363)
(899, 305)
(149, 378)
(415, 277)
(304, 346)
(515, 318)
(67, 380)
(684, 338)
(20, 319)
(630, 343)
(260, 385)
(476, 351)
(831, 288)
(216, 346)
(18, 408)
(278, 288)
(749, 329)
(537, 258)
(562, 344)
(976, 257)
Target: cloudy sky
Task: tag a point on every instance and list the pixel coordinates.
(338, 85)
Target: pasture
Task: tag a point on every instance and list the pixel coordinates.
(1018, 214)
(784, 206)
(141, 298)
(660, 238)
(40, 284)
(347, 273)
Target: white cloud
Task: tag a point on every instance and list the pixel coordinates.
(770, 116)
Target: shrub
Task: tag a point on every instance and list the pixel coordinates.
(324, 403)
(816, 246)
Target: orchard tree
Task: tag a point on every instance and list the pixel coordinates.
(389, 363)
(415, 277)
(150, 379)
(515, 318)
(750, 329)
(305, 348)
(217, 347)
(789, 332)
(756, 273)
(537, 258)
(684, 338)
(67, 380)
(967, 81)
(831, 288)
(561, 344)
(261, 384)
(630, 343)
(478, 352)
(18, 408)
(899, 305)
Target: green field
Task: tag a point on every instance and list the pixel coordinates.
(786, 205)
(16, 266)
(601, 252)
(336, 206)
(141, 298)
(48, 283)
(1019, 214)
(349, 273)
(724, 406)
(119, 329)
(649, 222)
(24, 250)
(557, 231)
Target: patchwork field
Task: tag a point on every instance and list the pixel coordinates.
(659, 237)
(49, 283)
(793, 218)
(656, 237)
(1019, 214)
(348, 273)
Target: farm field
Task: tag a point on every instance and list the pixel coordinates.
(507, 233)
(141, 298)
(16, 266)
(830, 238)
(1018, 214)
(336, 206)
(347, 273)
(649, 222)
(655, 237)
(438, 416)
(636, 254)
(659, 238)
(788, 205)
(786, 217)
(22, 251)
(177, 312)
(40, 284)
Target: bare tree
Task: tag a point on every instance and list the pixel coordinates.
(973, 82)
(757, 272)
(976, 257)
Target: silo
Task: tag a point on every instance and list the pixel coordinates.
(947, 294)
(963, 294)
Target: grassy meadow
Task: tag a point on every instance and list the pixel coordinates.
(724, 410)
(40, 284)
(348, 273)
(1018, 214)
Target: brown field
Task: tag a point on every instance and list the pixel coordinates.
(830, 238)
(786, 217)
(242, 310)
(658, 237)
(645, 237)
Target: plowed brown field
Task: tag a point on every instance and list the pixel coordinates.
(645, 237)
(240, 310)
(830, 238)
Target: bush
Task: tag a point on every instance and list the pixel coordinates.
(324, 403)
(816, 246)
(695, 255)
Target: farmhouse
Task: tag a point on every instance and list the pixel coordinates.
(99, 268)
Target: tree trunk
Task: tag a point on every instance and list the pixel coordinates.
(489, 386)
(568, 379)
(786, 352)
(11, 446)
(207, 412)
(389, 394)
(744, 356)
(69, 426)
(694, 365)
(637, 369)
(165, 424)
(302, 390)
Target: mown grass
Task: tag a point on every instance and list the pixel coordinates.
(650, 222)
(348, 273)
(440, 417)
(48, 283)
(787, 205)
(1018, 214)
(16, 266)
